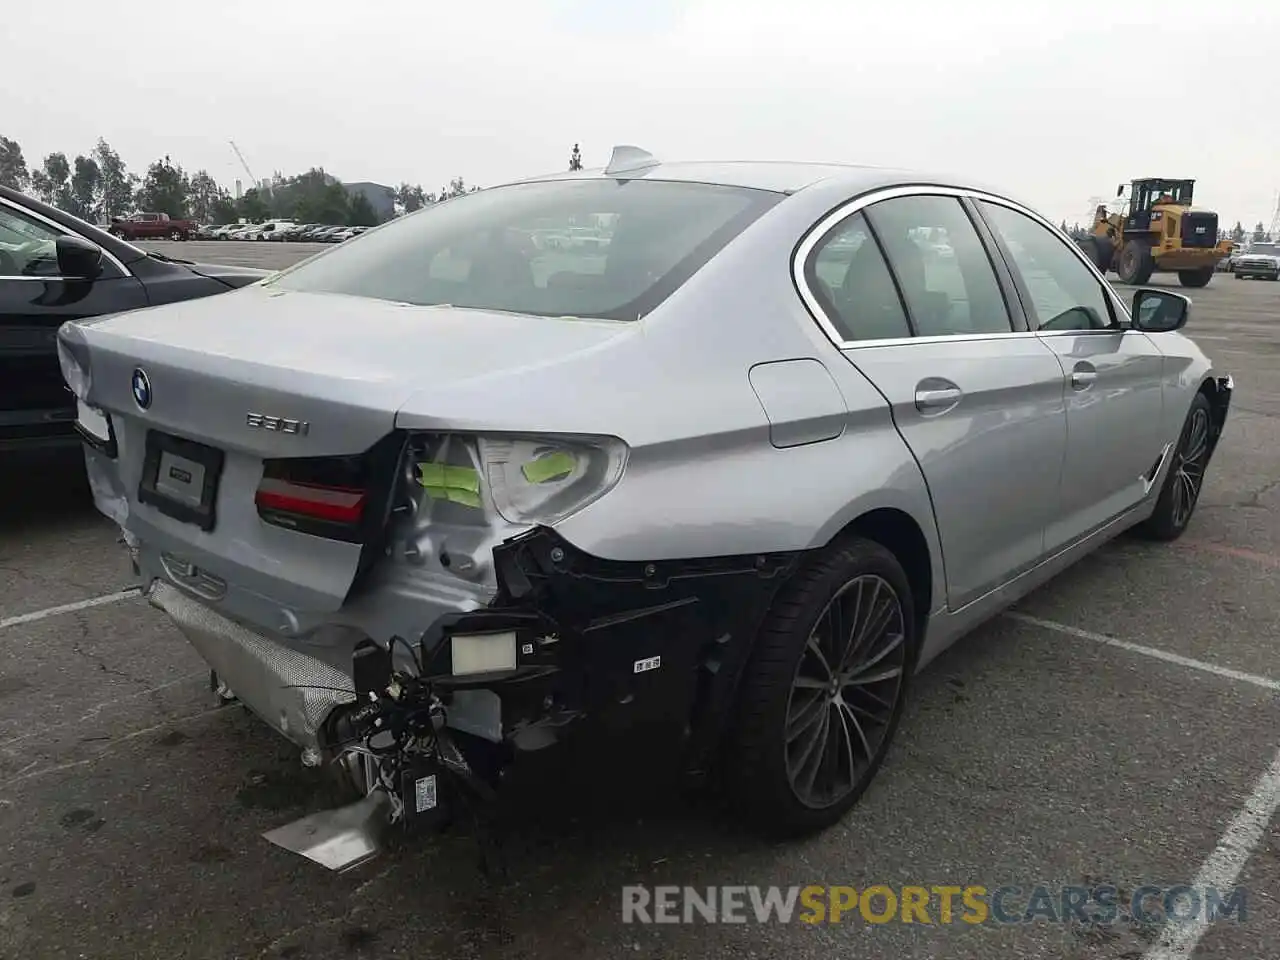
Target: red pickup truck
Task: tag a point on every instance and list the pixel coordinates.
(152, 226)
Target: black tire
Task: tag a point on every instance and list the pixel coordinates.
(1089, 245)
(844, 592)
(1136, 263)
(1195, 278)
(1106, 253)
(1237, 276)
(1185, 478)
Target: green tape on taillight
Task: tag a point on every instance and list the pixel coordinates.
(550, 466)
(445, 482)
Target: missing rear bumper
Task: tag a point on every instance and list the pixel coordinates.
(571, 647)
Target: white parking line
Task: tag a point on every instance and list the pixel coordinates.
(96, 709)
(70, 607)
(1258, 681)
(1178, 940)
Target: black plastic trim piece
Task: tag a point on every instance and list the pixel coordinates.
(632, 646)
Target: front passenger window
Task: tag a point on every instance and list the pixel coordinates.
(1065, 294)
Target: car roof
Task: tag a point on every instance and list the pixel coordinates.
(779, 176)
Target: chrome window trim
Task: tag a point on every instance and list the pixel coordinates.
(804, 249)
(107, 255)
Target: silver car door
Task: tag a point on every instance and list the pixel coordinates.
(910, 293)
(1113, 373)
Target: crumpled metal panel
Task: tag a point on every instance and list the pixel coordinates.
(289, 690)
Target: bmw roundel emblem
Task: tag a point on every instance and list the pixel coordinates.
(141, 388)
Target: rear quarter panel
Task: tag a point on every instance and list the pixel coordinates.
(704, 478)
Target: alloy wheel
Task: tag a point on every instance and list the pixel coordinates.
(845, 692)
(1189, 470)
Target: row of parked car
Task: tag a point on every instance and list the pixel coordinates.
(280, 230)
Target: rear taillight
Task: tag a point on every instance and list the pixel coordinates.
(331, 504)
(339, 498)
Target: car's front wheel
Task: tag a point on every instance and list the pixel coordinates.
(1185, 478)
(824, 689)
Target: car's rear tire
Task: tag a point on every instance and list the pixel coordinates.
(1185, 477)
(1136, 263)
(824, 690)
(1195, 278)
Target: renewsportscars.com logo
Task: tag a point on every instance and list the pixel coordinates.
(1099, 904)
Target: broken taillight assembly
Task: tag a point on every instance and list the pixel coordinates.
(524, 479)
(339, 498)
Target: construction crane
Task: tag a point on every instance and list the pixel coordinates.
(260, 184)
(1275, 221)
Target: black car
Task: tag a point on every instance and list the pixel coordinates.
(55, 267)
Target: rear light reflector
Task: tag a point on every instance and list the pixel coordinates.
(332, 504)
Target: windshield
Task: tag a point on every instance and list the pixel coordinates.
(1266, 249)
(605, 249)
(1149, 193)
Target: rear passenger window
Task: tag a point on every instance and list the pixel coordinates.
(1065, 295)
(847, 274)
(941, 264)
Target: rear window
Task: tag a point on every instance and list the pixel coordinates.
(575, 248)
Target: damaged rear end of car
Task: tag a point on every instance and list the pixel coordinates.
(390, 592)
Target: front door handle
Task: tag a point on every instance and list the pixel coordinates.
(934, 399)
(1083, 375)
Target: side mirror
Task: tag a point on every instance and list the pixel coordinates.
(78, 259)
(1160, 311)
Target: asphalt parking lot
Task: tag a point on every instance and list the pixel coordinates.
(1118, 728)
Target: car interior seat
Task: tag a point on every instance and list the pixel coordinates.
(867, 300)
(930, 309)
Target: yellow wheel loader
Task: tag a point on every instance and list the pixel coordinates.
(1157, 230)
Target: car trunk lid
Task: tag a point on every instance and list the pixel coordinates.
(255, 430)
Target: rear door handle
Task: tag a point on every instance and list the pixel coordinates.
(933, 399)
(1083, 375)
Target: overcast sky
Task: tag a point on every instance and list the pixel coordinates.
(1057, 102)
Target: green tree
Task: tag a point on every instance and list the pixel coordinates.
(115, 185)
(223, 209)
(456, 188)
(165, 189)
(1258, 233)
(360, 212)
(1237, 232)
(253, 206)
(13, 166)
(52, 181)
(203, 194)
(311, 197)
(411, 198)
(575, 158)
(84, 187)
